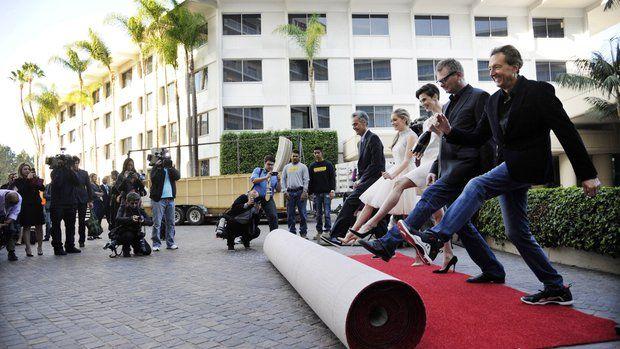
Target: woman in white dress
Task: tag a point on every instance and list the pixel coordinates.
(376, 194)
(419, 176)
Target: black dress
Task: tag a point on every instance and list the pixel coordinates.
(31, 212)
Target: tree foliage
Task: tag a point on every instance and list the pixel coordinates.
(9, 161)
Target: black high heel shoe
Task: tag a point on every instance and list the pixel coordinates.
(361, 236)
(451, 264)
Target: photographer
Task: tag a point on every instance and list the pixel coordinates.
(65, 184)
(163, 192)
(240, 220)
(10, 205)
(31, 214)
(113, 206)
(84, 198)
(267, 183)
(128, 181)
(130, 219)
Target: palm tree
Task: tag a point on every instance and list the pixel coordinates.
(611, 4)
(97, 50)
(135, 29)
(74, 63)
(309, 40)
(598, 74)
(48, 103)
(187, 28)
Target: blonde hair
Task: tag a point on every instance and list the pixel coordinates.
(403, 114)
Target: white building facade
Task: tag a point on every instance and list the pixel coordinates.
(374, 56)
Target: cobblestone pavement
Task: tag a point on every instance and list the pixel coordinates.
(198, 296)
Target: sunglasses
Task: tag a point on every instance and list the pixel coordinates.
(445, 78)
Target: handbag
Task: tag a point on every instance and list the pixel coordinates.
(93, 226)
(245, 216)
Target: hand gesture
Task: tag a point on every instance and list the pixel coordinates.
(441, 125)
(386, 175)
(30, 175)
(590, 186)
(430, 179)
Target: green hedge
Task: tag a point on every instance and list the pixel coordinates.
(564, 217)
(252, 151)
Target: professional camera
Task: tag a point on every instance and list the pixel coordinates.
(59, 160)
(158, 155)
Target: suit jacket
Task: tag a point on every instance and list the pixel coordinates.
(106, 196)
(371, 160)
(525, 146)
(84, 192)
(459, 163)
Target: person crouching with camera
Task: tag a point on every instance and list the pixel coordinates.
(10, 205)
(240, 220)
(130, 219)
(65, 184)
(163, 192)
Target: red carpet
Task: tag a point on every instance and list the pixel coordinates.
(462, 315)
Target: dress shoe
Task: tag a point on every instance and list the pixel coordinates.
(376, 248)
(12, 256)
(81, 244)
(72, 249)
(59, 252)
(331, 241)
(486, 279)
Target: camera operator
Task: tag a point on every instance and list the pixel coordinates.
(84, 198)
(163, 192)
(65, 184)
(10, 205)
(130, 219)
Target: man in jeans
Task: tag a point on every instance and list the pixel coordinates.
(163, 192)
(295, 184)
(267, 183)
(322, 185)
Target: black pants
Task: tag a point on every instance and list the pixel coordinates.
(345, 217)
(129, 239)
(81, 211)
(269, 207)
(66, 214)
(248, 231)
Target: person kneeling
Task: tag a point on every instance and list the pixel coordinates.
(241, 220)
(130, 219)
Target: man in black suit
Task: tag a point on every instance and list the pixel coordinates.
(454, 166)
(519, 117)
(370, 165)
(84, 198)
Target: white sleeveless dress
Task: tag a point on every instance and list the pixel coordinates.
(376, 194)
(418, 175)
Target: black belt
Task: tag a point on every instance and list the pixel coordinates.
(295, 189)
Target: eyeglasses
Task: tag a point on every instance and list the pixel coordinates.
(445, 78)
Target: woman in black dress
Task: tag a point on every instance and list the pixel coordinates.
(97, 197)
(29, 187)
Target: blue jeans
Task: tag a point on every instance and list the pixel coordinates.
(163, 208)
(513, 202)
(438, 195)
(295, 201)
(323, 206)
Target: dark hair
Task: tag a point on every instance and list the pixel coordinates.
(452, 64)
(21, 166)
(270, 158)
(126, 164)
(318, 148)
(513, 56)
(429, 89)
(76, 159)
(295, 151)
(114, 173)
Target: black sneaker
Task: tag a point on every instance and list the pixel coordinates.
(429, 244)
(550, 295)
(12, 256)
(72, 249)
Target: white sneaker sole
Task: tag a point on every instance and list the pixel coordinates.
(423, 249)
(548, 302)
(410, 238)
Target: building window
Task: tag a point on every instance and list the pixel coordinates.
(491, 26)
(483, 71)
(148, 65)
(432, 25)
(200, 78)
(203, 120)
(426, 69)
(204, 167)
(140, 140)
(243, 24)
(548, 27)
(72, 110)
(95, 96)
(243, 70)
(107, 89)
(298, 69)
(126, 111)
(174, 132)
(62, 116)
(301, 20)
(370, 25)
(140, 105)
(162, 95)
(171, 94)
(549, 71)
(149, 139)
(107, 120)
(372, 69)
(243, 118)
(379, 115)
(62, 141)
(149, 101)
(126, 78)
(72, 137)
(107, 154)
(300, 117)
(163, 136)
(125, 145)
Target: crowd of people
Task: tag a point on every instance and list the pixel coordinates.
(27, 204)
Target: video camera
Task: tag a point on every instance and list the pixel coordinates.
(60, 160)
(158, 155)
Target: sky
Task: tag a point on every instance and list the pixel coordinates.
(35, 30)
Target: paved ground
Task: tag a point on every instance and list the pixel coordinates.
(198, 296)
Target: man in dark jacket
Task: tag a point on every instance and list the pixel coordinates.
(370, 165)
(241, 220)
(129, 222)
(84, 198)
(519, 117)
(63, 208)
(455, 165)
(163, 192)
